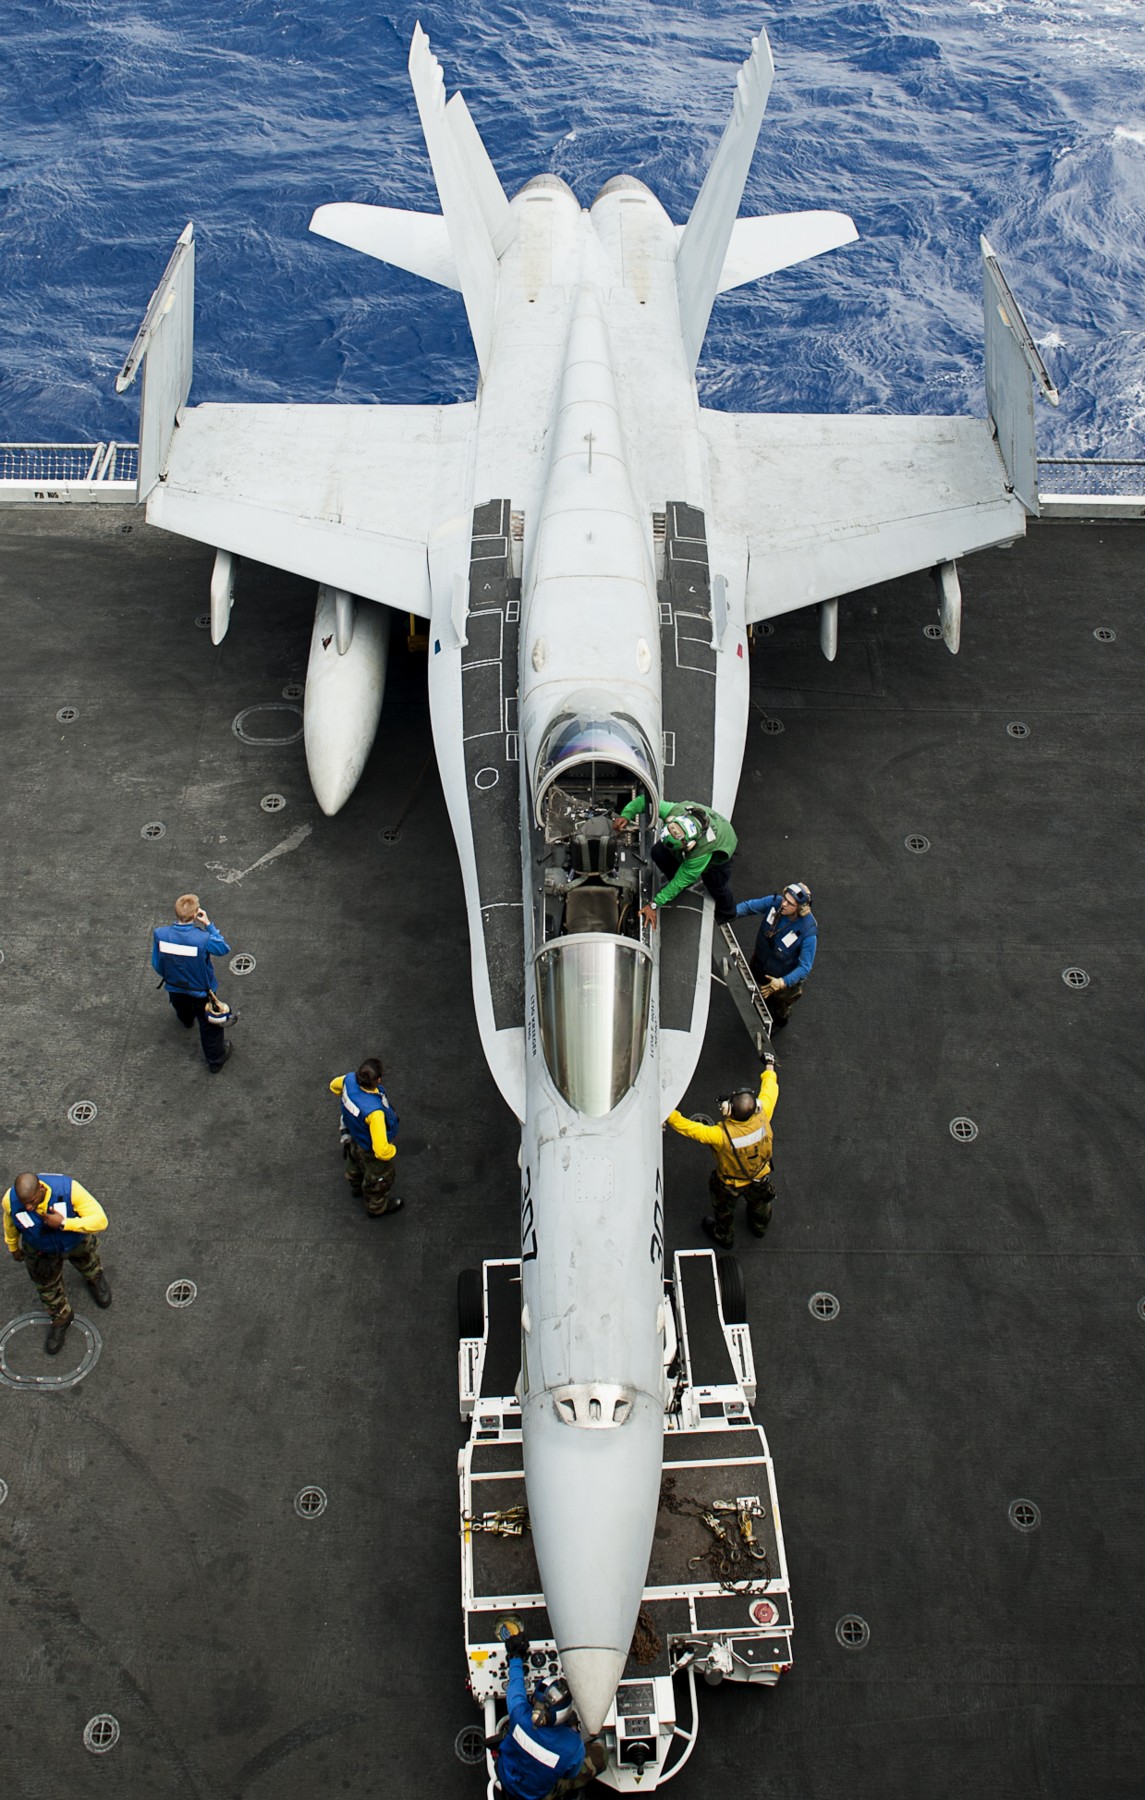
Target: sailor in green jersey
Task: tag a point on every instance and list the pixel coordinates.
(696, 844)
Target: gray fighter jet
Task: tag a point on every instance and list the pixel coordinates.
(590, 546)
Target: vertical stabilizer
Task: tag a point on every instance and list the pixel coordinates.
(164, 345)
(486, 184)
(1011, 359)
(473, 201)
(704, 245)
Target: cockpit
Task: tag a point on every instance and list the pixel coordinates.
(593, 969)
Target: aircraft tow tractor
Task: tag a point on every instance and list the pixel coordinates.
(716, 1601)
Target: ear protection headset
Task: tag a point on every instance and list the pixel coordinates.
(682, 830)
(727, 1101)
(799, 892)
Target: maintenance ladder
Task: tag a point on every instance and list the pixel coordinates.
(731, 967)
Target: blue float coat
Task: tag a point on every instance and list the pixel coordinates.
(533, 1758)
(182, 955)
(65, 1194)
(788, 960)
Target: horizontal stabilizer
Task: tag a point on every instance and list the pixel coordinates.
(706, 236)
(415, 241)
(779, 241)
(468, 202)
(827, 504)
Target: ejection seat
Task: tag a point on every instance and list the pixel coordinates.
(590, 905)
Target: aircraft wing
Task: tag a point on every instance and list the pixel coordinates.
(828, 504)
(349, 496)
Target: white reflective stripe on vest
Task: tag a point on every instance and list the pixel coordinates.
(749, 1137)
(548, 1757)
(791, 938)
(349, 1105)
(178, 949)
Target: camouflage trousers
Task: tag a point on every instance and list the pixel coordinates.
(780, 1003)
(369, 1177)
(47, 1273)
(594, 1760)
(757, 1197)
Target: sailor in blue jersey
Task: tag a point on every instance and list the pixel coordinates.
(369, 1133)
(541, 1755)
(784, 947)
(181, 953)
(48, 1218)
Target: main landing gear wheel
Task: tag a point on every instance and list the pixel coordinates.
(470, 1304)
(733, 1295)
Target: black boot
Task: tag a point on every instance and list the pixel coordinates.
(710, 1229)
(57, 1332)
(100, 1292)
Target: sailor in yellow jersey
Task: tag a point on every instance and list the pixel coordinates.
(48, 1218)
(369, 1134)
(742, 1144)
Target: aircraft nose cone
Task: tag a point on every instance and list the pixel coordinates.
(592, 1675)
(593, 1497)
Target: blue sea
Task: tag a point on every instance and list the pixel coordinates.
(928, 122)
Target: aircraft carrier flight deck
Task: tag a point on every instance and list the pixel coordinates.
(236, 1537)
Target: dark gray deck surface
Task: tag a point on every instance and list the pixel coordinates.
(989, 1345)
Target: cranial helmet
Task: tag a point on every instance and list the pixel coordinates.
(683, 829)
(556, 1699)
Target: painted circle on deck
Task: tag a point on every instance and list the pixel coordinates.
(3, 1492)
(1016, 729)
(932, 631)
(93, 1344)
(486, 778)
(310, 1502)
(1075, 978)
(772, 727)
(916, 844)
(273, 803)
(203, 621)
(245, 724)
(154, 828)
(823, 1306)
(242, 964)
(763, 1612)
(67, 715)
(82, 1112)
(181, 1292)
(964, 1130)
(1105, 635)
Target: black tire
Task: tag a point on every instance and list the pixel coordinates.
(733, 1295)
(470, 1304)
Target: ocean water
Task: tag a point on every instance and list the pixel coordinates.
(929, 122)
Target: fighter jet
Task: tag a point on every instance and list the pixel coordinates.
(590, 547)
